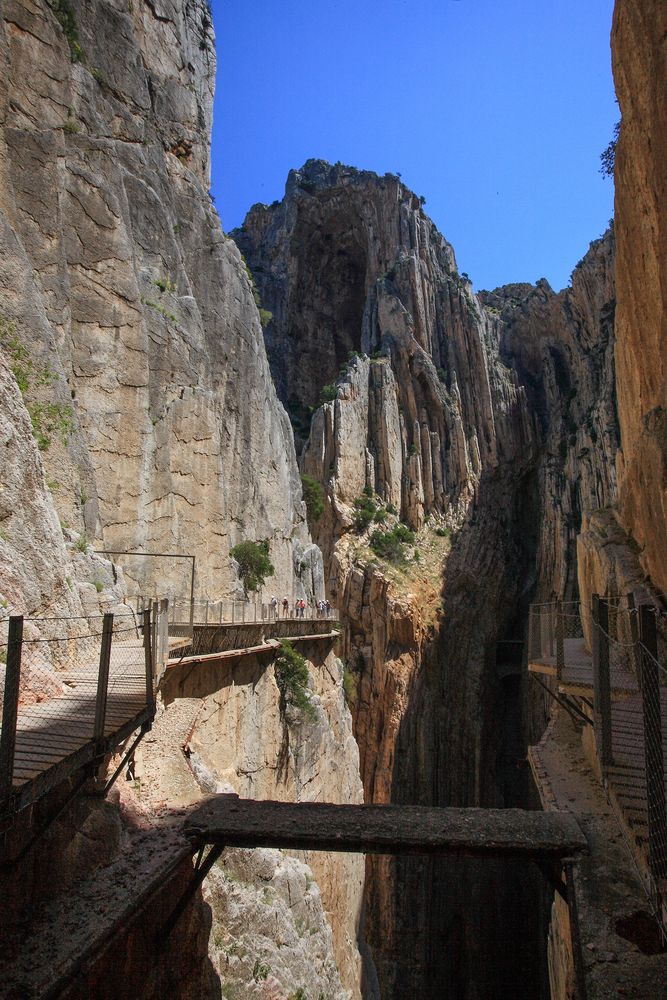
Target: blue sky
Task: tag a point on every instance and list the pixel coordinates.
(495, 111)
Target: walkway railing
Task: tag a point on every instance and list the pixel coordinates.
(183, 612)
(549, 626)
(628, 681)
(71, 689)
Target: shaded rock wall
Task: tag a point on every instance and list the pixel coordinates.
(639, 54)
(562, 347)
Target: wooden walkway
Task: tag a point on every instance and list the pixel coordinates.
(55, 737)
(627, 774)
(226, 820)
(577, 675)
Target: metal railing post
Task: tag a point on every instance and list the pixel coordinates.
(653, 752)
(103, 682)
(148, 657)
(10, 706)
(601, 683)
(155, 608)
(163, 634)
(560, 641)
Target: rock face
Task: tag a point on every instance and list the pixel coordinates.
(239, 739)
(640, 69)
(137, 408)
(562, 347)
(349, 262)
(116, 278)
(487, 419)
(277, 755)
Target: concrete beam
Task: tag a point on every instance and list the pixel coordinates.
(385, 829)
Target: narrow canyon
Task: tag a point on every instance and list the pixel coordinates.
(418, 463)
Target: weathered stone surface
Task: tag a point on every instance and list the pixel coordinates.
(270, 934)
(116, 274)
(640, 69)
(384, 829)
(139, 319)
(349, 262)
(490, 414)
(246, 744)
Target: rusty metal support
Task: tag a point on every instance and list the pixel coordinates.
(203, 866)
(10, 705)
(103, 682)
(602, 683)
(577, 955)
(148, 627)
(560, 641)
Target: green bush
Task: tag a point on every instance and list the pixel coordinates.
(292, 679)
(390, 545)
(260, 971)
(313, 495)
(328, 393)
(49, 419)
(165, 284)
(65, 17)
(254, 563)
(349, 686)
(265, 317)
(365, 510)
(443, 532)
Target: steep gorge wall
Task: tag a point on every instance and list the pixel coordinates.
(117, 280)
(639, 50)
(139, 410)
(489, 419)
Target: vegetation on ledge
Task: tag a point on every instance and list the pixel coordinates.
(254, 563)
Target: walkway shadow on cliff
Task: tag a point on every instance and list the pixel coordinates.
(199, 680)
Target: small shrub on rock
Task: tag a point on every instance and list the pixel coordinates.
(292, 679)
(313, 495)
(390, 545)
(254, 563)
(365, 510)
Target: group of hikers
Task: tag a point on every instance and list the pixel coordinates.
(298, 609)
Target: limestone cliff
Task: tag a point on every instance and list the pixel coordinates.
(137, 408)
(149, 389)
(640, 67)
(487, 424)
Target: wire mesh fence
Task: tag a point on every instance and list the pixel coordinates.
(550, 628)
(183, 612)
(67, 683)
(623, 664)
